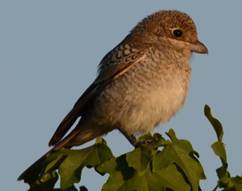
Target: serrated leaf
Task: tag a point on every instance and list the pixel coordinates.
(139, 158)
(161, 165)
(161, 160)
(214, 122)
(70, 169)
(118, 170)
(148, 168)
(173, 179)
(226, 182)
(180, 153)
(151, 181)
(145, 181)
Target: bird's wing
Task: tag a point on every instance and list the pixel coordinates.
(73, 115)
(117, 63)
(112, 66)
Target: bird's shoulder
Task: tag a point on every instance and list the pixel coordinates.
(113, 65)
(120, 59)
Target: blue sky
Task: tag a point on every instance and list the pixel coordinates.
(49, 51)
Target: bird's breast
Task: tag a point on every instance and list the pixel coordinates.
(148, 94)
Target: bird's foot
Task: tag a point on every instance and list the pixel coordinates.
(145, 140)
(149, 140)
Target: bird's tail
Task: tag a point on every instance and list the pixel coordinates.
(82, 134)
(78, 136)
(35, 169)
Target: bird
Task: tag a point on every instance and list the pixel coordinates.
(141, 83)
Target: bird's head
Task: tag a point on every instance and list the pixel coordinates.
(174, 27)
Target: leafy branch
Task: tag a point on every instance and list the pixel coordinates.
(157, 164)
(225, 182)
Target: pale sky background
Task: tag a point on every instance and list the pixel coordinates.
(49, 51)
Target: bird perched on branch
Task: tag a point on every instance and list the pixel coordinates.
(141, 83)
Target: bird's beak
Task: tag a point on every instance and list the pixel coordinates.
(199, 47)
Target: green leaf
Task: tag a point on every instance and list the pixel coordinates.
(219, 150)
(53, 161)
(156, 164)
(226, 182)
(214, 122)
(173, 178)
(237, 181)
(70, 169)
(139, 158)
(149, 168)
(118, 170)
(172, 135)
(47, 182)
(181, 154)
(145, 181)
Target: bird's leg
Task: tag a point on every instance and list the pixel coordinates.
(131, 138)
(147, 141)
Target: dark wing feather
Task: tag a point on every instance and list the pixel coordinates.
(113, 65)
(73, 115)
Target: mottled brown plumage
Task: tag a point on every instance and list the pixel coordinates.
(141, 83)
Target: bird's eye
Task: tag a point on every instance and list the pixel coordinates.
(177, 33)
